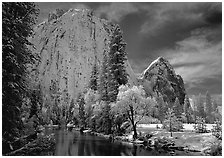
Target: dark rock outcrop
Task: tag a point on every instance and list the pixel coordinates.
(162, 79)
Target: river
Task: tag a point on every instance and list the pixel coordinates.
(72, 143)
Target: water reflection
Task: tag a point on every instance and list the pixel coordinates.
(72, 143)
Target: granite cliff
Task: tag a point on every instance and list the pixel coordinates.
(69, 44)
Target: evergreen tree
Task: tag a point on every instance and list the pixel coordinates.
(200, 107)
(208, 108)
(93, 78)
(161, 107)
(106, 118)
(18, 19)
(217, 130)
(112, 87)
(171, 123)
(113, 72)
(103, 80)
(81, 104)
(217, 115)
(214, 105)
(188, 110)
(117, 56)
(200, 125)
(177, 108)
(34, 104)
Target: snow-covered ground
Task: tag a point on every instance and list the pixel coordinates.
(186, 126)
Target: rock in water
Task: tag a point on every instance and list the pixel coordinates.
(69, 45)
(161, 78)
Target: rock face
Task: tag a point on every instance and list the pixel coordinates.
(69, 46)
(160, 77)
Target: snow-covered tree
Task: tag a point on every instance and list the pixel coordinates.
(208, 108)
(217, 114)
(200, 125)
(102, 117)
(106, 118)
(178, 109)
(200, 107)
(81, 104)
(132, 101)
(214, 105)
(90, 98)
(217, 130)
(171, 122)
(161, 107)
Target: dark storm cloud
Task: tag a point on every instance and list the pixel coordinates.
(214, 18)
(180, 15)
(189, 35)
(214, 14)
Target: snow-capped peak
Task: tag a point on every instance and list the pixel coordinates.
(159, 59)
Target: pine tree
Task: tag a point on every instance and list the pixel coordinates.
(216, 114)
(171, 123)
(81, 104)
(17, 21)
(103, 80)
(112, 88)
(200, 107)
(116, 59)
(93, 78)
(161, 107)
(208, 108)
(217, 130)
(194, 107)
(118, 56)
(200, 125)
(214, 105)
(177, 108)
(106, 118)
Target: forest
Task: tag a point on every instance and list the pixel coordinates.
(108, 105)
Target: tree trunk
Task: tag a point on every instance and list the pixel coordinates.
(135, 131)
(171, 129)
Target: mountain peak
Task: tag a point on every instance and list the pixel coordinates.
(164, 80)
(158, 62)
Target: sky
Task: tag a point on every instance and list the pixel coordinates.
(187, 34)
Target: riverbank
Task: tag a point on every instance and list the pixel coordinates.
(188, 139)
(187, 143)
(43, 145)
(159, 141)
